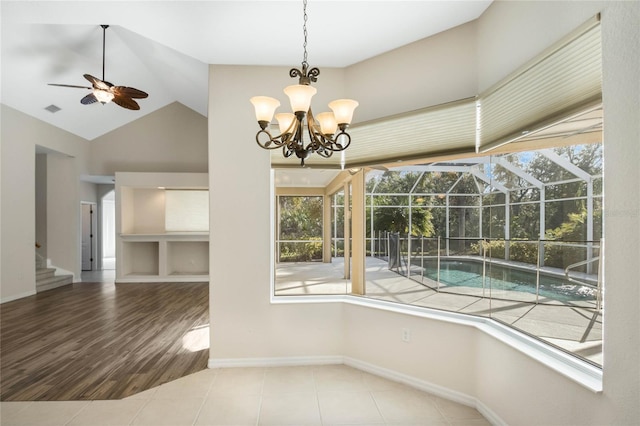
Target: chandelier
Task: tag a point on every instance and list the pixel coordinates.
(327, 130)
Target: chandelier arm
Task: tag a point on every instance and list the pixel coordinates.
(329, 142)
(286, 151)
(326, 153)
(291, 140)
(271, 143)
(281, 140)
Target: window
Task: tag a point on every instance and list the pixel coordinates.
(299, 228)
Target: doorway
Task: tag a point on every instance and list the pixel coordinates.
(88, 233)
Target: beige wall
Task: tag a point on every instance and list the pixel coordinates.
(64, 217)
(171, 139)
(41, 204)
(432, 71)
(462, 359)
(20, 135)
(244, 325)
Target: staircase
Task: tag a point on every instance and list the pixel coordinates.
(46, 279)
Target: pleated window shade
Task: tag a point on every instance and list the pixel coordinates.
(441, 129)
(561, 82)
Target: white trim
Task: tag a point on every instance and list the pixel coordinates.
(133, 279)
(386, 373)
(428, 387)
(422, 385)
(273, 362)
(17, 296)
(579, 371)
(489, 414)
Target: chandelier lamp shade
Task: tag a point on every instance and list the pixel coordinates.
(326, 131)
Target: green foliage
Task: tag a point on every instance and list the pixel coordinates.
(300, 219)
(573, 229)
(565, 206)
(301, 252)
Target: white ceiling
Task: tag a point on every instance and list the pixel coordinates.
(162, 47)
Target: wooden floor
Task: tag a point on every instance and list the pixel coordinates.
(90, 341)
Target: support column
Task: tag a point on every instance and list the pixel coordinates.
(347, 232)
(507, 224)
(326, 228)
(543, 203)
(590, 226)
(446, 234)
(358, 230)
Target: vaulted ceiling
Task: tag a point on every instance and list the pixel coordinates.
(163, 47)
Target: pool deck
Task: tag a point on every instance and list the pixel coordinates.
(575, 328)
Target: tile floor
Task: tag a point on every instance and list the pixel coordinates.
(308, 395)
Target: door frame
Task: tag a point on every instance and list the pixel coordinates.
(93, 230)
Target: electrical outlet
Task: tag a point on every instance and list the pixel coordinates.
(406, 335)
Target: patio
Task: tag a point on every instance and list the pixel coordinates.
(576, 329)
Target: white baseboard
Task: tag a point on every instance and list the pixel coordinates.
(17, 296)
(422, 385)
(273, 362)
(489, 414)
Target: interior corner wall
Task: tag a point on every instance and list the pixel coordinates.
(41, 204)
(88, 192)
(244, 324)
(512, 33)
(101, 191)
(18, 213)
(171, 139)
(519, 389)
(20, 135)
(428, 72)
(506, 30)
(63, 201)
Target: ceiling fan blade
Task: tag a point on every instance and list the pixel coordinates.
(89, 99)
(70, 85)
(129, 92)
(126, 102)
(97, 83)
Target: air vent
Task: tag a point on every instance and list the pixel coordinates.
(53, 108)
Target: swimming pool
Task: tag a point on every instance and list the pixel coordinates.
(468, 273)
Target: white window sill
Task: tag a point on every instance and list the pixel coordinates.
(567, 365)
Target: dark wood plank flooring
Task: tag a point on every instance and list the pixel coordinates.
(90, 341)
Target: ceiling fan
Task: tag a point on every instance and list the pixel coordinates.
(105, 92)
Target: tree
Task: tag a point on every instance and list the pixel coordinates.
(300, 219)
(391, 205)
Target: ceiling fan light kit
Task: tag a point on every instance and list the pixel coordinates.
(327, 131)
(104, 92)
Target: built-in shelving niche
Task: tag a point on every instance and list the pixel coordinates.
(162, 227)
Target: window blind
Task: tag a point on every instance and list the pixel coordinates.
(441, 129)
(561, 82)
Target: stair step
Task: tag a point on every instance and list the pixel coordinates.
(42, 273)
(52, 282)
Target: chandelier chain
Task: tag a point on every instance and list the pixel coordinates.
(304, 31)
(326, 135)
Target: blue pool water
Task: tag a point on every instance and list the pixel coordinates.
(469, 274)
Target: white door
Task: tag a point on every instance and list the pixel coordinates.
(87, 237)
